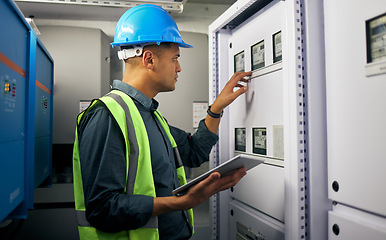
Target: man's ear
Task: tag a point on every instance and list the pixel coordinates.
(148, 59)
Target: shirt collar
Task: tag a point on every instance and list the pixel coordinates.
(135, 94)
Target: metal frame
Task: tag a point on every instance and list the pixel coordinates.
(173, 5)
(295, 122)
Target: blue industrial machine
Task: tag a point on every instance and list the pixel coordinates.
(43, 112)
(26, 95)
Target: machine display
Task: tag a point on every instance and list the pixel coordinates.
(260, 141)
(277, 48)
(376, 39)
(239, 62)
(240, 141)
(257, 55)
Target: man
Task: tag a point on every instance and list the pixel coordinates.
(127, 159)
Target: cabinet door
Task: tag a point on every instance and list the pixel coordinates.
(356, 106)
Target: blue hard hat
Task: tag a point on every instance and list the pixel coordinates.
(147, 24)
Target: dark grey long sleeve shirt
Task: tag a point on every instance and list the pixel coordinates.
(103, 167)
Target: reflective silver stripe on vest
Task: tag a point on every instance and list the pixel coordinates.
(134, 149)
(81, 218)
(177, 157)
(152, 223)
(134, 154)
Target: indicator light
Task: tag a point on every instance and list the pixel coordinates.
(7, 87)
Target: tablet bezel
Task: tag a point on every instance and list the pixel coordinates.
(225, 169)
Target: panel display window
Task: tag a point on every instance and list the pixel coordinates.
(239, 62)
(240, 139)
(376, 39)
(259, 140)
(257, 55)
(277, 49)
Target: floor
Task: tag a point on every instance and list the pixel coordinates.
(56, 219)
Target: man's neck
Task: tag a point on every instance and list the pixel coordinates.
(141, 84)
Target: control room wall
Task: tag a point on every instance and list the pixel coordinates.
(81, 73)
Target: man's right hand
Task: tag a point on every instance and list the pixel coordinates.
(198, 193)
(210, 186)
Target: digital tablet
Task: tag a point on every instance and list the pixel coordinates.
(225, 169)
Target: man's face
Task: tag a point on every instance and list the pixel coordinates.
(167, 68)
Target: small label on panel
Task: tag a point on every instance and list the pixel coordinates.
(257, 55)
(277, 47)
(239, 62)
(260, 141)
(83, 105)
(376, 68)
(199, 112)
(278, 141)
(240, 139)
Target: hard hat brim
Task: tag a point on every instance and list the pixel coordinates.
(118, 44)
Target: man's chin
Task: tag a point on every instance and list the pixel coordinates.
(169, 90)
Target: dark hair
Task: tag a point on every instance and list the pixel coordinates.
(162, 45)
(155, 48)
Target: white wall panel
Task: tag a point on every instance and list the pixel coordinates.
(78, 73)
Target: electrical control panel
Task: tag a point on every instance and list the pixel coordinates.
(313, 110)
(13, 83)
(23, 62)
(256, 114)
(254, 123)
(256, 118)
(269, 120)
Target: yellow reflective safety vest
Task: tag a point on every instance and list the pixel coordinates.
(139, 177)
